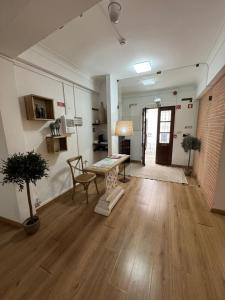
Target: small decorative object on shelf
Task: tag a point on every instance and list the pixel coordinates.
(37, 111)
(102, 114)
(55, 127)
(24, 169)
(56, 143)
(43, 112)
(39, 108)
(97, 122)
(40, 111)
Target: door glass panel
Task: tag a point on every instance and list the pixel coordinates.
(164, 138)
(165, 126)
(165, 115)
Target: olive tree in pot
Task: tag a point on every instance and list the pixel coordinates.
(23, 169)
(190, 143)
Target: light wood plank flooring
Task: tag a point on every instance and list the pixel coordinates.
(160, 242)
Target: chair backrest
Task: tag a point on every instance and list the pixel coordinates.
(76, 164)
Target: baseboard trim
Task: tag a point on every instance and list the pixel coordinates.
(51, 201)
(218, 211)
(178, 166)
(11, 222)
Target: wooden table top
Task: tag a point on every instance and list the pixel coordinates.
(98, 169)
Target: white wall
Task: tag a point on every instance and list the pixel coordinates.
(59, 179)
(102, 128)
(216, 64)
(133, 104)
(11, 138)
(37, 18)
(24, 135)
(112, 113)
(44, 58)
(84, 100)
(8, 202)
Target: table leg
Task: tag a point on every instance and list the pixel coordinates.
(111, 180)
(124, 179)
(112, 195)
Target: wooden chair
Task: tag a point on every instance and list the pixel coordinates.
(76, 164)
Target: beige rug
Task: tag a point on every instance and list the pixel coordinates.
(157, 172)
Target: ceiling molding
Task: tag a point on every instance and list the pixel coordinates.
(155, 92)
(24, 23)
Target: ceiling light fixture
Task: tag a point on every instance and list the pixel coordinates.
(157, 100)
(149, 81)
(142, 67)
(114, 9)
(122, 41)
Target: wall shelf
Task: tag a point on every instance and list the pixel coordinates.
(94, 124)
(39, 108)
(56, 143)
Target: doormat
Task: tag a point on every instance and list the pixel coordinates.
(157, 172)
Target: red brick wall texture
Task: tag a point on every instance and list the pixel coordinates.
(210, 129)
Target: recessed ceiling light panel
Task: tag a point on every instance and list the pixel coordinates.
(149, 81)
(142, 67)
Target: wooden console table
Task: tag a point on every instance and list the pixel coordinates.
(109, 167)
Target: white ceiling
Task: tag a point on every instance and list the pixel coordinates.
(169, 34)
(23, 23)
(166, 80)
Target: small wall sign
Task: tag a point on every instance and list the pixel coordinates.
(60, 104)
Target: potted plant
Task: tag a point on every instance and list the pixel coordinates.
(23, 169)
(190, 143)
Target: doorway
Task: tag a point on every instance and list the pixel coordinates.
(151, 135)
(157, 135)
(157, 147)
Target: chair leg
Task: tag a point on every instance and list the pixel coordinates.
(74, 188)
(95, 181)
(86, 189)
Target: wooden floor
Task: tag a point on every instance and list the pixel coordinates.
(160, 242)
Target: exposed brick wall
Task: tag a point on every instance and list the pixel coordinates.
(210, 129)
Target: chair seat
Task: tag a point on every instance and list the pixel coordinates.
(86, 177)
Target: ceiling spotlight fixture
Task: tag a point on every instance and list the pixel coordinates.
(122, 41)
(143, 67)
(149, 81)
(157, 100)
(114, 9)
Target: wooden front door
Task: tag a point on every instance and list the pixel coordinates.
(144, 135)
(165, 130)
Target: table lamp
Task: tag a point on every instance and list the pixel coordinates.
(123, 129)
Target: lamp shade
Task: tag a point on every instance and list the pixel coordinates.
(124, 128)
